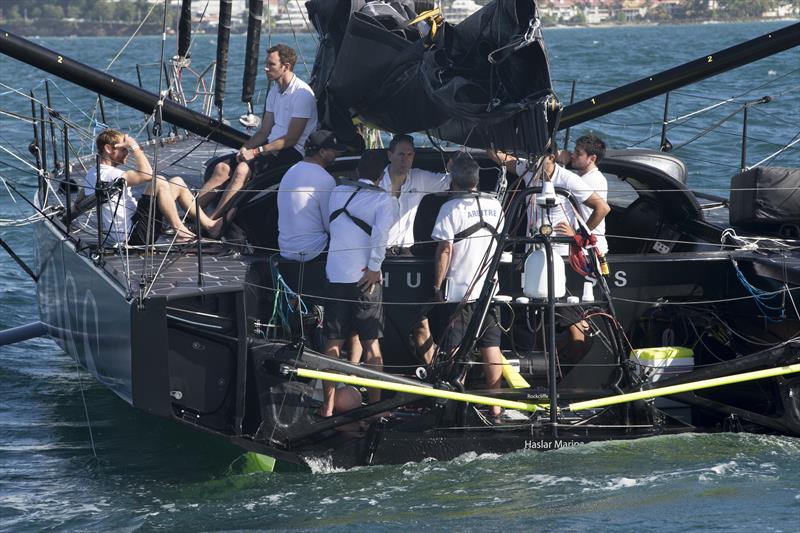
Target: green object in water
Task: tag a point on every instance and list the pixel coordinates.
(256, 462)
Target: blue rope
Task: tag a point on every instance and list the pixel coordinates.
(285, 299)
(762, 298)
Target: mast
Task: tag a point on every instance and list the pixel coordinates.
(223, 38)
(116, 89)
(184, 29)
(256, 11)
(676, 77)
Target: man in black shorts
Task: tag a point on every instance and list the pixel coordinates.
(466, 229)
(360, 219)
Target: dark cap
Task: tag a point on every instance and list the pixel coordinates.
(324, 139)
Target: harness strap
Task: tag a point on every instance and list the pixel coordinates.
(366, 228)
(463, 234)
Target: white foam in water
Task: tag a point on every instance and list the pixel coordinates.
(621, 483)
(321, 465)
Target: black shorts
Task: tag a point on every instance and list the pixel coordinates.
(140, 222)
(360, 313)
(260, 163)
(451, 329)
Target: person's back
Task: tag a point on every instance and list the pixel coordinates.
(466, 275)
(303, 198)
(351, 248)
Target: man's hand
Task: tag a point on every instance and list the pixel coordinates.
(564, 157)
(369, 280)
(549, 165)
(562, 228)
(499, 157)
(245, 154)
(438, 295)
(129, 143)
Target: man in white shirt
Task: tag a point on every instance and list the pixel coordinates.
(360, 220)
(290, 117)
(303, 199)
(563, 220)
(126, 220)
(407, 186)
(589, 150)
(466, 229)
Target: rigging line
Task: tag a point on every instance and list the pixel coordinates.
(131, 37)
(776, 154)
(702, 302)
(15, 156)
(700, 111)
(85, 407)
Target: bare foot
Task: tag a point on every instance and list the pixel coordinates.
(183, 235)
(215, 228)
(495, 411)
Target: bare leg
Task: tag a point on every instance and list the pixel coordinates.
(239, 178)
(372, 356)
(333, 348)
(493, 372)
(222, 173)
(166, 205)
(355, 348)
(577, 346)
(423, 341)
(181, 193)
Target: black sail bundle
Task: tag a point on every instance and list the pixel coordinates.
(482, 82)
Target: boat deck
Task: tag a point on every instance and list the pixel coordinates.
(173, 270)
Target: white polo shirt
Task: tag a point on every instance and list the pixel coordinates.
(303, 197)
(418, 183)
(118, 211)
(469, 254)
(297, 101)
(595, 180)
(351, 250)
(563, 209)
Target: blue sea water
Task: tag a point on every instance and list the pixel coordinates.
(73, 457)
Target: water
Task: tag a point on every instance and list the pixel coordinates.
(150, 473)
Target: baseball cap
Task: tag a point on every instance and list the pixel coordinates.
(324, 139)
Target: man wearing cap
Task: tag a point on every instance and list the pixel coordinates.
(303, 198)
(290, 117)
(360, 220)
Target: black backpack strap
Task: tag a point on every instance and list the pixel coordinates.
(366, 228)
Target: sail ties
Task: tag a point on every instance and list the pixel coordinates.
(428, 23)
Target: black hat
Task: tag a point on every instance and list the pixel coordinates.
(324, 139)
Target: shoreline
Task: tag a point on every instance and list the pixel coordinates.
(64, 28)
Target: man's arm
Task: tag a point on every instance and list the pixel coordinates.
(502, 158)
(260, 136)
(441, 264)
(143, 172)
(378, 241)
(600, 209)
(296, 127)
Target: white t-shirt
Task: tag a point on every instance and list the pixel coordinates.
(297, 101)
(118, 211)
(470, 254)
(351, 249)
(563, 209)
(418, 183)
(303, 197)
(597, 183)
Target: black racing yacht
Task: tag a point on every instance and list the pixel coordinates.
(692, 316)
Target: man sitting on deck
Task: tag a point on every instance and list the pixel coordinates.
(360, 220)
(125, 219)
(290, 117)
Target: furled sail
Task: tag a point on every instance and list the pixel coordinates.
(482, 82)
